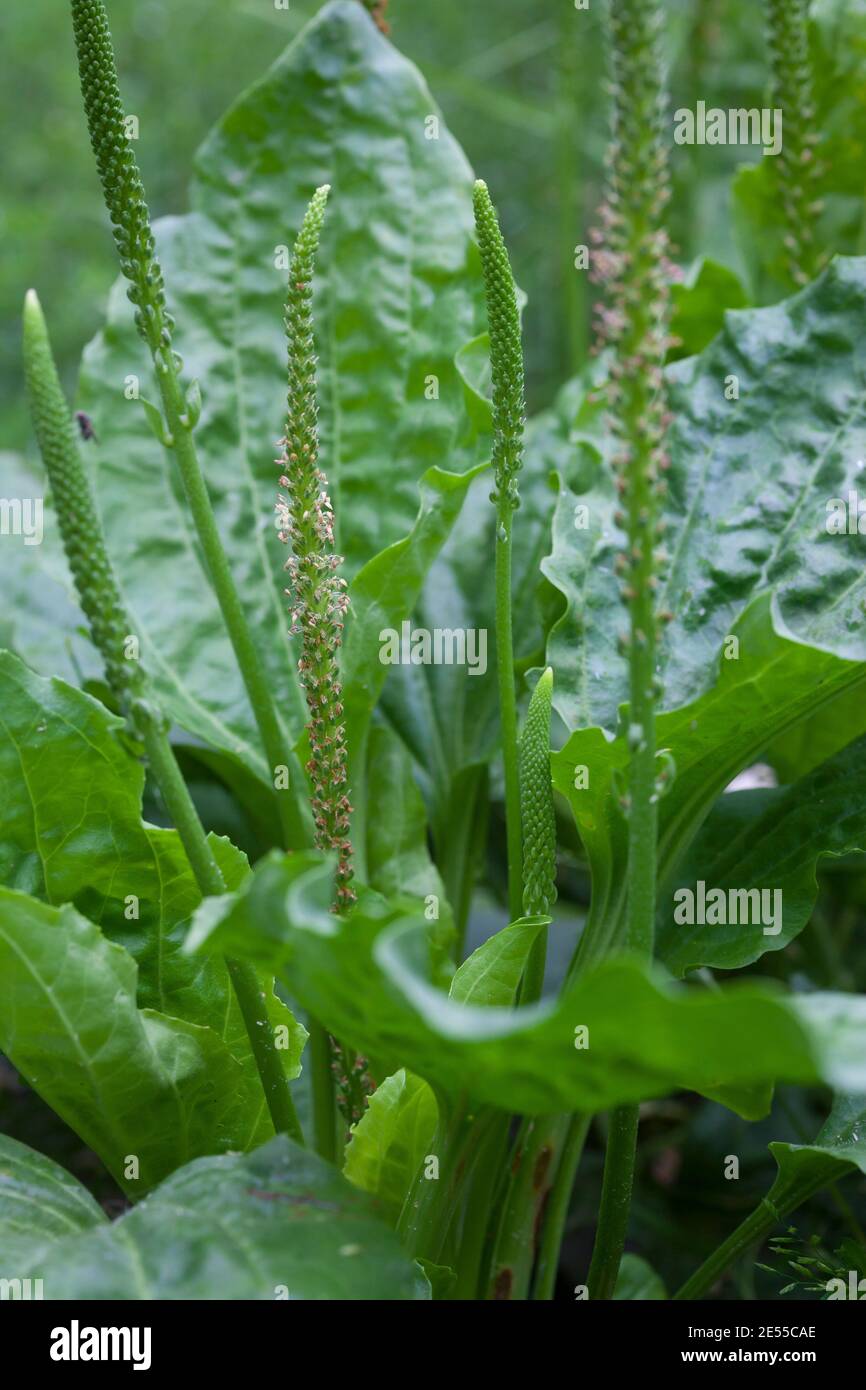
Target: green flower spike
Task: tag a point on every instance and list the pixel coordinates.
(539, 828)
(124, 198)
(118, 172)
(506, 353)
(83, 539)
(796, 168)
(318, 594)
(631, 256)
(536, 803)
(506, 362)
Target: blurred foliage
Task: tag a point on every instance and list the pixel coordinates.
(522, 87)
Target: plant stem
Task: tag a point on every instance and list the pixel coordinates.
(277, 753)
(537, 1154)
(506, 365)
(785, 1196)
(749, 1233)
(133, 236)
(615, 1201)
(797, 171)
(508, 711)
(324, 1104)
(557, 1208)
(632, 257)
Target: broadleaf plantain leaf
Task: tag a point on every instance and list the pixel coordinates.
(367, 979)
(276, 1224)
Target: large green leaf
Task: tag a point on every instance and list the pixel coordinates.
(39, 1203)
(133, 1083)
(367, 978)
(71, 832)
(275, 1224)
(751, 560)
(771, 841)
(398, 292)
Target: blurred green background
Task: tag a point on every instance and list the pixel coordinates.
(521, 84)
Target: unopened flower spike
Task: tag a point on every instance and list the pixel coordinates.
(796, 167)
(118, 172)
(506, 364)
(506, 353)
(536, 802)
(80, 529)
(316, 591)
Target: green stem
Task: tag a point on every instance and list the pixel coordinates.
(482, 1200)
(615, 1202)
(557, 1208)
(295, 832)
(785, 1196)
(508, 709)
(751, 1232)
(324, 1102)
(537, 1154)
(533, 975)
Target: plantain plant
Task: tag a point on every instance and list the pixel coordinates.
(333, 767)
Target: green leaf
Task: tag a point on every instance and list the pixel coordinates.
(699, 304)
(366, 977)
(637, 1280)
(769, 841)
(840, 1148)
(392, 309)
(39, 1203)
(130, 1082)
(491, 976)
(41, 619)
(276, 1224)
(71, 832)
(391, 1140)
(385, 592)
(398, 859)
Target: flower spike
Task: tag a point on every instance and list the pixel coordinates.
(316, 590)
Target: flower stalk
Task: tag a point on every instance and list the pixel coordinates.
(797, 169)
(124, 198)
(539, 828)
(632, 256)
(318, 597)
(99, 596)
(506, 361)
